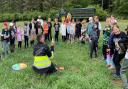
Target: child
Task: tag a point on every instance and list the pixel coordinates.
(90, 26)
(78, 29)
(56, 28)
(45, 28)
(72, 31)
(63, 29)
(97, 25)
(19, 36)
(93, 43)
(106, 36)
(49, 29)
(5, 35)
(12, 31)
(26, 34)
(39, 28)
(83, 31)
(32, 37)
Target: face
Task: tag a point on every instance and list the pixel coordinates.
(108, 21)
(49, 19)
(56, 20)
(5, 27)
(116, 30)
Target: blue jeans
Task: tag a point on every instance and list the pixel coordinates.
(5, 46)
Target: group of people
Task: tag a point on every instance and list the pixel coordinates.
(114, 48)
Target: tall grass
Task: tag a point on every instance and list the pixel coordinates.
(80, 72)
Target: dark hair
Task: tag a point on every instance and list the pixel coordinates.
(45, 18)
(39, 37)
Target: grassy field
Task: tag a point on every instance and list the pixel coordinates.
(80, 72)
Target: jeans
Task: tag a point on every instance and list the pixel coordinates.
(5, 46)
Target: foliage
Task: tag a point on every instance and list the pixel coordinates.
(99, 11)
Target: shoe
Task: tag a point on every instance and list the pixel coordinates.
(116, 76)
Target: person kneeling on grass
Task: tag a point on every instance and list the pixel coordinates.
(42, 55)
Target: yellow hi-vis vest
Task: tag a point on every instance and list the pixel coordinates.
(42, 62)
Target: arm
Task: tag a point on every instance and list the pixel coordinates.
(100, 28)
(124, 38)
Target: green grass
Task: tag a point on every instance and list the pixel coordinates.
(80, 72)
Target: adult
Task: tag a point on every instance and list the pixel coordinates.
(117, 43)
(42, 54)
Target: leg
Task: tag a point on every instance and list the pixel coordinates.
(116, 59)
(95, 48)
(104, 48)
(57, 35)
(50, 35)
(25, 41)
(124, 69)
(91, 48)
(18, 44)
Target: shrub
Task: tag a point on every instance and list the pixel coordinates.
(99, 11)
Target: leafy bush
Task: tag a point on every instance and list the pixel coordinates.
(99, 11)
(26, 15)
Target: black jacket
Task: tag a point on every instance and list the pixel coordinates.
(42, 50)
(122, 40)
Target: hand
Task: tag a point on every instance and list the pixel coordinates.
(108, 50)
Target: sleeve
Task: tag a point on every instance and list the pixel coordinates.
(100, 27)
(2, 33)
(124, 38)
(48, 51)
(111, 43)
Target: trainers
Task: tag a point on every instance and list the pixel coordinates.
(116, 76)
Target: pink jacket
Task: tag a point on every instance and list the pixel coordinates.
(19, 35)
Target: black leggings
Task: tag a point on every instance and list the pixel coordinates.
(93, 47)
(19, 44)
(56, 35)
(46, 37)
(46, 71)
(49, 35)
(104, 51)
(117, 59)
(63, 38)
(26, 41)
